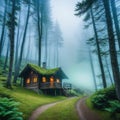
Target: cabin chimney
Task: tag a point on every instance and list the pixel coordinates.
(44, 65)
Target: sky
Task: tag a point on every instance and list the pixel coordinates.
(74, 54)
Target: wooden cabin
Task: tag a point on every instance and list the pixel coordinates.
(49, 81)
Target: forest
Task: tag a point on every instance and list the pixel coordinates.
(29, 34)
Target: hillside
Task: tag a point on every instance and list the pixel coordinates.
(28, 99)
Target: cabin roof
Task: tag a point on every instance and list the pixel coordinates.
(43, 71)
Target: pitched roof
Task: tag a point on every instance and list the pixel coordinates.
(43, 71)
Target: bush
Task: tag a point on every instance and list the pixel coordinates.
(9, 110)
(114, 108)
(101, 98)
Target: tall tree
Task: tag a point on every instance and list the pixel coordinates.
(115, 18)
(98, 50)
(40, 29)
(42, 21)
(112, 46)
(3, 27)
(22, 46)
(57, 42)
(86, 5)
(11, 27)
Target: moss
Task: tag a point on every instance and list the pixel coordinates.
(43, 71)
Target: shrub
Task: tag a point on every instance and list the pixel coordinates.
(114, 108)
(9, 110)
(101, 98)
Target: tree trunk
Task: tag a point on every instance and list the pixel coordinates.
(6, 58)
(57, 53)
(98, 50)
(17, 45)
(107, 66)
(11, 37)
(115, 18)
(93, 72)
(39, 25)
(46, 45)
(3, 29)
(112, 47)
(22, 47)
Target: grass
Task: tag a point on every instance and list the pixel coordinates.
(28, 99)
(64, 110)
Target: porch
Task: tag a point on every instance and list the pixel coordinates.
(50, 85)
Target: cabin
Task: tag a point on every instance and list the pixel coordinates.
(49, 81)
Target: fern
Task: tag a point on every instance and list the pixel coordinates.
(9, 110)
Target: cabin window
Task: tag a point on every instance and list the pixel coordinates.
(57, 80)
(35, 79)
(43, 79)
(28, 81)
(51, 79)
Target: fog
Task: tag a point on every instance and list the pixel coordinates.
(74, 57)
(74, 54)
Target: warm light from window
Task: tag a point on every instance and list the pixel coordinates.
(43, 79)
(57, 80)
(35, 79)
(28, 80)
(51, 79)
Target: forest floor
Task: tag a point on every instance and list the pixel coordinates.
(84, 112)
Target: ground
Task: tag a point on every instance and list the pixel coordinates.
(83, 111)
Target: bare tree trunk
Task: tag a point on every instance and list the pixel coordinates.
(112, 47)
(98, 50)
(11, 37)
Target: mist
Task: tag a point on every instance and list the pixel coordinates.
(74, 57)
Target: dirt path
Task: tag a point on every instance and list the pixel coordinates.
(39, 110)
(84, 112)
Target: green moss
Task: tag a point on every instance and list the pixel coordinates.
(42, 70)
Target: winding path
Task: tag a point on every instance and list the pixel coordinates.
(35, 114)
(41, 109)
(84, 112)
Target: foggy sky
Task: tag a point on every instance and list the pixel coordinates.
(74, 53)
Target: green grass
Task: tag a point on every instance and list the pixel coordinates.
(64, 110)
(29, 100)
(103, 114)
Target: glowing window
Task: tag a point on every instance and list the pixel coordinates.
(57, 80)
(35, 79)
(28, 80)
(51, 79)
(43, 79)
